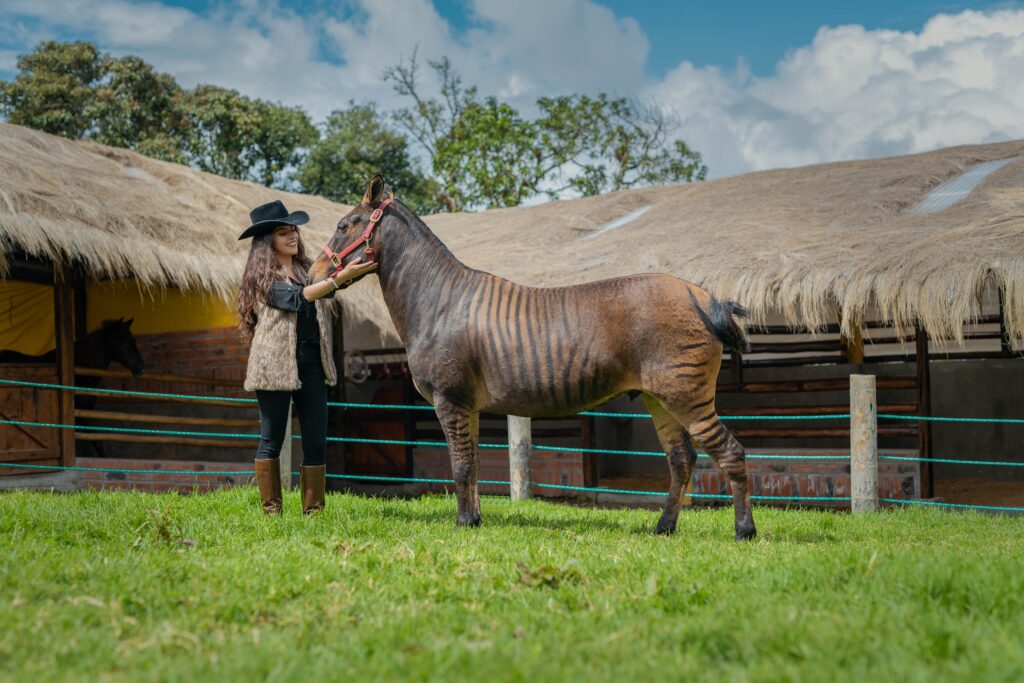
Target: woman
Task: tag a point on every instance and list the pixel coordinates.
(288, 325)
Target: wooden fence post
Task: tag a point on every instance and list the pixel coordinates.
(286, 453)
(519, 446)
(863, 444)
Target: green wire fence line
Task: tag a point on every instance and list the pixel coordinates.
(392, 442)
(951, 461)
(591, 413)
(78, 468)
(487, 482)
(500, 446)
(932, 418)
(421, 480)
(375, 406)
(124, 392)
(963, 506)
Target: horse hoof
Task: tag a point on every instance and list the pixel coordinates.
(665, 529)
(472, 521)
(745, 533)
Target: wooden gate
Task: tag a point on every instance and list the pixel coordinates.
(24, 444)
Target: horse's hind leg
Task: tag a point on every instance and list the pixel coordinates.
(722, 446)
(678, 447)
(461, 429)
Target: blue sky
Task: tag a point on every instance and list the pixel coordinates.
(714, 33)
(753, 84)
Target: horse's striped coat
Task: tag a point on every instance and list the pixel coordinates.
(477, 342)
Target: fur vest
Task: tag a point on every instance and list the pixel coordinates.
(272, 365)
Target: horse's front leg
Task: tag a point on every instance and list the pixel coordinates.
(461, 429)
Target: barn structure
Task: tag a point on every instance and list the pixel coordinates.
(910, 268)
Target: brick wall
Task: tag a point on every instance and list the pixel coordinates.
(829, 478)
(546, 467)
(217, 352)
(157, 482)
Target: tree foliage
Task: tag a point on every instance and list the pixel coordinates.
(74, 90)
(356, 143)
(484, 153)
(481, 152)
(55, 88)
(246, 139)
(140, 109)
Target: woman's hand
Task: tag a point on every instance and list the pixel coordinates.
(354, 269)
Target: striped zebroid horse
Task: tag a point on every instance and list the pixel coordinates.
(477, 342)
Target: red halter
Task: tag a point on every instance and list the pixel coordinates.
(337, 258)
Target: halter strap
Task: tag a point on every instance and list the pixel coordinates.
(337, 258)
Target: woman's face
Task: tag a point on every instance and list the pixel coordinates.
(286, 240)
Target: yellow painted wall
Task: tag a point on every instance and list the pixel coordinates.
(155, 310)
(26, 317)
(26, 311)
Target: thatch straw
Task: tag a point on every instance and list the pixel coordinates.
(802, 243)
(126, 215)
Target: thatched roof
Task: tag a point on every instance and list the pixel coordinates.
(796, 242)
(126, 215)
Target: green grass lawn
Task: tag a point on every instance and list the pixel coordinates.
(131, 586)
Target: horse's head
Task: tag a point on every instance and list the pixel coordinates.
(119, 343)
(359, 233)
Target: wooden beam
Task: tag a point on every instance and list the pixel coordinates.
(173, 440)
(591, 465)
(1004, 340)
(817, 432)
(144, 397)
(177, 379)
(924, 406)
(64, 327)
(901, 408)
(832, 384)
(165, 419)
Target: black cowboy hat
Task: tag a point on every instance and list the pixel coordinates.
(266, 217)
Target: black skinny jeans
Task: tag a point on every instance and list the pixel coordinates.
(310, 406)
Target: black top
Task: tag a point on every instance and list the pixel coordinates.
(287, 296)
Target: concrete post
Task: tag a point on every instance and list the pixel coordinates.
(519, 445)
(863, 444)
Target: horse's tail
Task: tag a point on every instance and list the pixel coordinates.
(721, 318)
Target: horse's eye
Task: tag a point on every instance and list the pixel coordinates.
(342, 224)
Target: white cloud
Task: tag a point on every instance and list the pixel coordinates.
(850, 93)
(857, 93)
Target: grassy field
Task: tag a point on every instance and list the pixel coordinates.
(126, 586)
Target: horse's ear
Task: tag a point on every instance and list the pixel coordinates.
(129, 321)
(374, 191)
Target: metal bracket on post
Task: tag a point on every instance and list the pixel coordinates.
(286, 453)
(863, 444)
(519, 447)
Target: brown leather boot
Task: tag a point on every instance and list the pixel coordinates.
(311, 482)
(268, 481)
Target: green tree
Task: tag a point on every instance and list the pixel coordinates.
(489, 157)
(431, 122)
(137, 108)
(603, 144)
(246, 139)
(356, 143)
(486, 154)
(54, 90)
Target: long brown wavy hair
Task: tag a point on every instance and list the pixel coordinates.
(261, 271)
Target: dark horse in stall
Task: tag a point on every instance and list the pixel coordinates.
(113, 342)
(477, 342)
